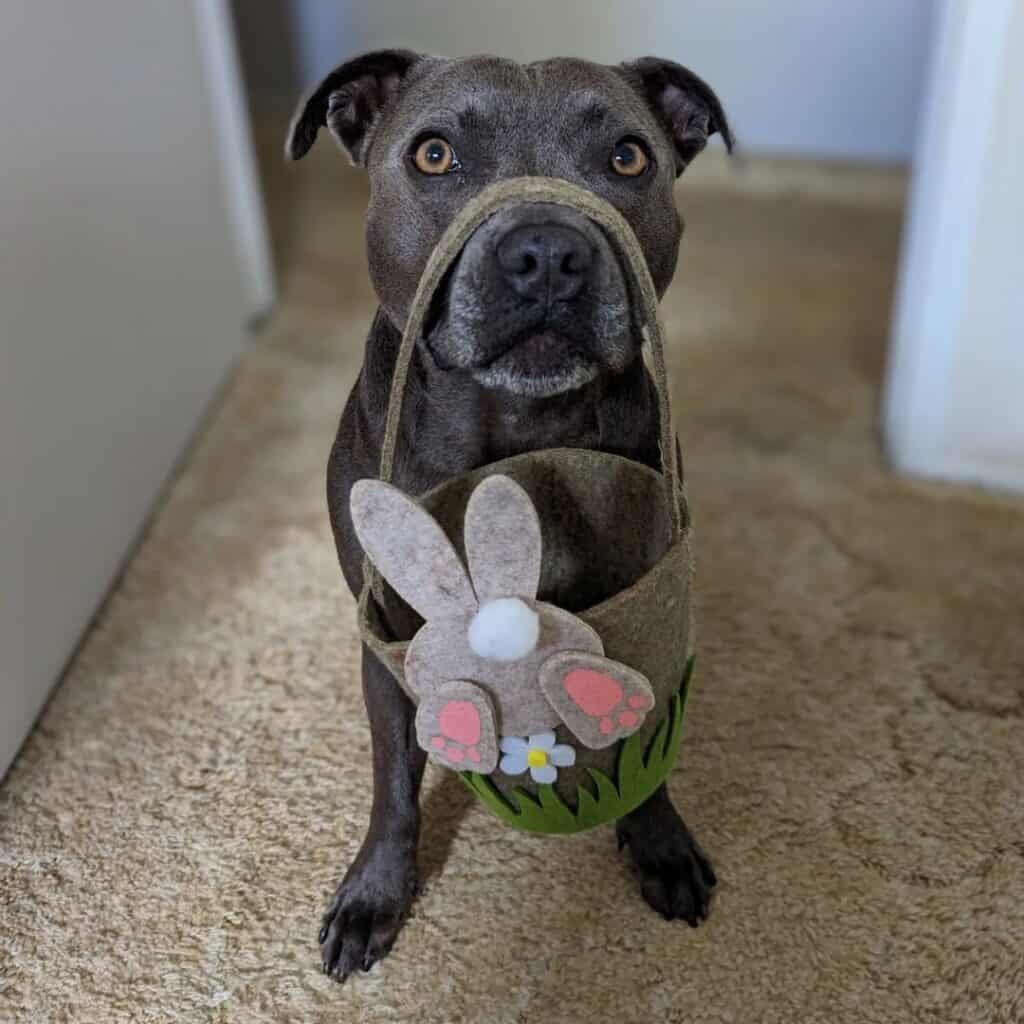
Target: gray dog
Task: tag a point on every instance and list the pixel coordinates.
(530, 345)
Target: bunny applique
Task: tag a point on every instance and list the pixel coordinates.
(492, 665)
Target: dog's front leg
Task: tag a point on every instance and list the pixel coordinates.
(369, 906)
(676, 877)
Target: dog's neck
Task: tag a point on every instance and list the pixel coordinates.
(451, 424)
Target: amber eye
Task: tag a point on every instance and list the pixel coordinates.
(435, 156)
(629, 159)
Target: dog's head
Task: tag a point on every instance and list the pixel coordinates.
(536, 302)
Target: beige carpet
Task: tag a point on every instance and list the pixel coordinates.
(855, 747)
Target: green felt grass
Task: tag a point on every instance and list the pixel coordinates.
(638, 774)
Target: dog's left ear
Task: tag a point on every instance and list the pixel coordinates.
(348, 101)
(685, 104)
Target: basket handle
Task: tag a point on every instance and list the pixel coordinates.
(484, 205)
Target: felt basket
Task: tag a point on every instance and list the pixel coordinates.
(590, 505)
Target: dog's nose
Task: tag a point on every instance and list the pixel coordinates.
(545, 262)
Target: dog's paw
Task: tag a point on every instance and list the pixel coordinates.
(366, 914)
(676, 876)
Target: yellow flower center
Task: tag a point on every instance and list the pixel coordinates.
(536, 758)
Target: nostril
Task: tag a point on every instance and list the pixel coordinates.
(548, 263)
(517, 259)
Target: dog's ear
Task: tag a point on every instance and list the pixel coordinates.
(685, 104)
(348, 101)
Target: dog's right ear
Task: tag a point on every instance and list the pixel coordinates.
(348, 101)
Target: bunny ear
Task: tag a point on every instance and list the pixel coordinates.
(502, 536)
(410, 550)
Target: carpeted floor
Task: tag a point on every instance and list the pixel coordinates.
(854, 756)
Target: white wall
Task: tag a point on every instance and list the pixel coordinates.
(806, 76)
(955, 402)
(121, 306)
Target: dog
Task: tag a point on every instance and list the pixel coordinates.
(529, 345)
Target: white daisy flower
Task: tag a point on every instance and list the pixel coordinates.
(540, 754)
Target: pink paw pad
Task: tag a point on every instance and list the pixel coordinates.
(460, 727)
(600, 696)
(454, 752)
(593, 692)
(460, 721)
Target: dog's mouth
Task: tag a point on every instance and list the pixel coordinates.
(539, 361)
(542, 364)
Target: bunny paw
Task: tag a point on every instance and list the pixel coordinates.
(600, 700)
(455, 724)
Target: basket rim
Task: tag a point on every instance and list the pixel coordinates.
(609, 604)
(544, 454)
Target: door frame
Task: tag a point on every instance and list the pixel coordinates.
(931, 428)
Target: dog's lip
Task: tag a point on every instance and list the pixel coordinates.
(539, 353)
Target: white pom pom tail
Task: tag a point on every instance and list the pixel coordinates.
(504, 629)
